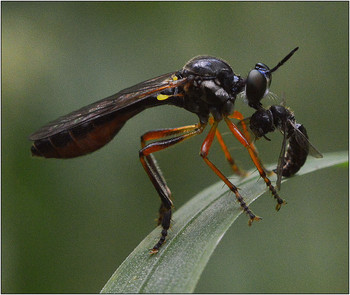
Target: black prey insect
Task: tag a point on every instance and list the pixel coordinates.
(293, 157)
(205, 86)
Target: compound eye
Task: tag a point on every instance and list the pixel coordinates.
(265, 71)
(256, 87)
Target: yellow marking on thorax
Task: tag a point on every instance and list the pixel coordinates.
(162, 96)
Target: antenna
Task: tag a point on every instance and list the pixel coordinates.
(284, 60)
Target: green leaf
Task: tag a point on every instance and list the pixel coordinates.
(197, 228)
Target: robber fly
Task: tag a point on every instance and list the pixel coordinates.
(206, 86)
(293, 157)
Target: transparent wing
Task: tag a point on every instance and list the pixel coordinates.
(304, 142)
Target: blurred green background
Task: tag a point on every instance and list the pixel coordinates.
(68, 224)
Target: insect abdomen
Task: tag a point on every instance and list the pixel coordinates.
(82, 139)
(295, 156)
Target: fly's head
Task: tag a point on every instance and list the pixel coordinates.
(258, 81)
(262, 122)
(257, 84)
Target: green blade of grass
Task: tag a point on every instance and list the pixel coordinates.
(197, 228)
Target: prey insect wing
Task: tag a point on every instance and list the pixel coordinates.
(305, 143)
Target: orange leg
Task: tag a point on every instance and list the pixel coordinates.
(162, 133)
(237, 115)
(204, 154)
(242, 139)
(150, 165)
(228, 156)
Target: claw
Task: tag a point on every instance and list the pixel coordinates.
(243, 173)
(257, 218)
(278, 206)
(153, 251)
(269, 172)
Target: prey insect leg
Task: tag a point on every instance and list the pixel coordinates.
(236, 132)
(204, 154)
(150, 165)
